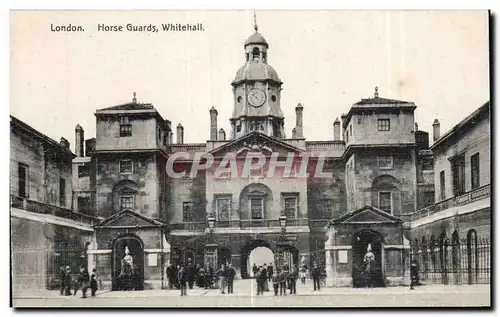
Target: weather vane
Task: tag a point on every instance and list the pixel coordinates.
(255, 22)
(134, 100)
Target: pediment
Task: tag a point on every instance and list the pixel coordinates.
(128, 218)
(255, 142)
(368, 214)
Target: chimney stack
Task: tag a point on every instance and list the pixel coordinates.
(64, 143)
(222, 135)
(436, 130)
(298, 124)
(294, 133)
(213, 124)
(180, 134)
(79, 139)
(336, 130)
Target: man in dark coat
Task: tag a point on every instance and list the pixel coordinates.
(231, 273)
(182, 279)
(93, 282)
(413, 274)
(83, 281)
(270, 272)
(316, 275)
(68, 282)
(191, 271)
(222, 273)
(261, 278)
(292, 280)
(255, 269)
(62, 279)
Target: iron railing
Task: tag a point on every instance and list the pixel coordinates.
(254, 223)
(467, 261)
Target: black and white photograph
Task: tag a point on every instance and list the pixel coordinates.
(250, 158)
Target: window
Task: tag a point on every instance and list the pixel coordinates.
(22, 174)
(442, 187)
(384, 124)
(62, 192)
(255, 53)
(257, 208)
(350, 130)
(84, 205)
(125, 130)
(458, 173)
(238, 127)
(428, 198)
(127, 202)
(385, 162)
(326, 207)
(126, 167)
(83, 170)
(290, 204)
(474, 171)
(223, 208)
(187, 211)
(385, 201)
(427, 165)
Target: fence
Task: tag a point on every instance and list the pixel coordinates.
(465, 261)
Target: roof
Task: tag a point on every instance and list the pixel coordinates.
(44, 138)
(126, 218)
(130, 106)
(256, 38)
(462, 125)
(253, 137)
(382, 101)
(366, 214)
(256, 70)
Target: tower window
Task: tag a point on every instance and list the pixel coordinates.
(256, 53)
(273, 98)
(238, 99)
(384, 124)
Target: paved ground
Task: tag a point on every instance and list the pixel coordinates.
(244, 296)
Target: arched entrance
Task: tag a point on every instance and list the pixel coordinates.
(263, 254)
(360, 243)
(135, 279)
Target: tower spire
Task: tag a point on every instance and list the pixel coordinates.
(256, 28)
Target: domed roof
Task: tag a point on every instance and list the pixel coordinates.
(256, 70)
(256, 38)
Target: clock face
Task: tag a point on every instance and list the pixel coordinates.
(256, 97)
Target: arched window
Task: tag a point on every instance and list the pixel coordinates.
(256, 53)
(385, 194)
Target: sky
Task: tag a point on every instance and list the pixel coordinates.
(328, 60)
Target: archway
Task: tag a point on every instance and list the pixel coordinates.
(136, 250)
(258, 258)
(360, 243)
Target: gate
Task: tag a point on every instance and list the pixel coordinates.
(465, 261)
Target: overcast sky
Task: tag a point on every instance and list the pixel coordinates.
(328, 60)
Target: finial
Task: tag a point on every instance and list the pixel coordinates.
(256, 28)
(376, 92)
(134, 100)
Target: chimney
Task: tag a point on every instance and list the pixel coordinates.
(180, 134)
(222, 135)
(168, 125)
(294, 133)
(336, 130)
(298, 124)
(64, 143)
(213, 124)
(416, 127)
(79, 139)
(436, 130)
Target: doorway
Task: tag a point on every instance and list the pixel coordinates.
(122, 279)
(360, 243)
(258, 252)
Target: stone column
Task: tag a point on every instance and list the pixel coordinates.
(331, 273)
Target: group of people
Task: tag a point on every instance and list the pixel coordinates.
(82, 282)
(186, 276)
(284, 278)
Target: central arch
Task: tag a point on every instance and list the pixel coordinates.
(360, 243)
(246, 270)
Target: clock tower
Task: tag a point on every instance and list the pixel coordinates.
(257, 93)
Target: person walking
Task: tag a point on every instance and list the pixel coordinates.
(182, 280)
(316, 275)
(93, 283)
(292, 280)
(222, 274)
(266, 284)
(261, 279)
(282, 282)
(413, 274)
(303, 272)
(83, 281)
(230, 278)
(255, 269)
(270, 272)
(62, 279)
(276, 282)
(68, 282)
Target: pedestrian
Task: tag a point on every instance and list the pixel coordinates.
(222, 274)
(255, 269)
(261, 280)
(316, 275)
(276, 282)
(292, 280)
(191, 270)
(266, 284)
(93, 283)
(182, 279)
(270, 271)
(303, 272)
(413, 274)
(62, 279)
(230, 278)
(282, 282)
(68, 282)
(170, 275)
(83, 281)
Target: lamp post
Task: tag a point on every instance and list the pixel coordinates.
(211, 246)
(281, 244)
